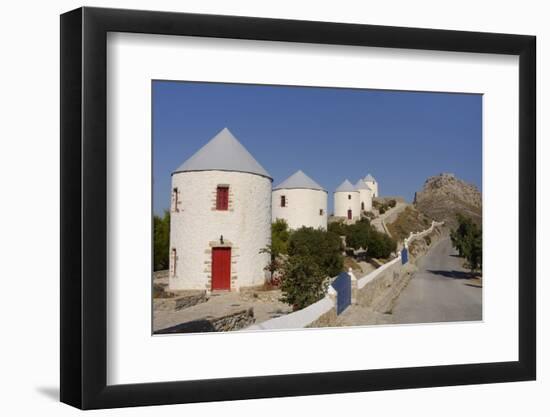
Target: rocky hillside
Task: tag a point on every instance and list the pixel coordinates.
(444, 195)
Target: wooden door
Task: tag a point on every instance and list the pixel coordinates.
(221, 269)
(349, 214)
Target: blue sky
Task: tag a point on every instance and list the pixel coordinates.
(400, 137)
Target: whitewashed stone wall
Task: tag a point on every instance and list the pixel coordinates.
(342, 203)
(418, 235)
(303, 207)
(365, 197)
(373, 185)
(197, 226)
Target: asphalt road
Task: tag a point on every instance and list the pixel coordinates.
(440, 291)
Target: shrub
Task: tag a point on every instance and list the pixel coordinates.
(392, 203)
(382, 209)
(161, 241)
(314, 255)
(369, 215)
(467, 238)
(363, 235)
(337, 227)
(380, 245)
(280, 235)
(303, 281)
(323, 247)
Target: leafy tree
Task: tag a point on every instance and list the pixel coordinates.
(467, 238)
(363, 235)
(322, 247)
(161, 241)
(314, 255)
(303, 281)
(380, 245)
(280, 235)
(358, 235)
(337, 227)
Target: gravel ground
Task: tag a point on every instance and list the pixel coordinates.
(222, 304)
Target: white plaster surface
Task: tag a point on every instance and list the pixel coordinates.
(246, 226)
(302, 207)
(298, 319)
(342, 203)
(365, 196)
(373, 185)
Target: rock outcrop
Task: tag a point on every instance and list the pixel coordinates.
(444, 195)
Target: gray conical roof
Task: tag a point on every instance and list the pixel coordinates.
(360, 185)
(345, 187)
(299, 180)
(223, 153)
(369, 177)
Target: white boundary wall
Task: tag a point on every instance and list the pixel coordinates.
(306, 316)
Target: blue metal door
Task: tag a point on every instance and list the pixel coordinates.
(342, 285)
(404, 256)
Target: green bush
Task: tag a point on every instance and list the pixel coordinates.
(280, 235)
(382, 209)
(369, 215)
(380, 245)
(392, 203)
(303, 281)
(467, 238)
(161, 241)
(314, 255)
(337, 227)
(363, 235)
(323, 247)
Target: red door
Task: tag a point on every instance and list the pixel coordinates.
(349, 214)
(221, 269)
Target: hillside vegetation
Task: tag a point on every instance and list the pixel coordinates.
(409, 220)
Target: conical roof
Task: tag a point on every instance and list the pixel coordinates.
(345, 187)
(299, 180)
(223, 153)
(360, 185)
(369, 177)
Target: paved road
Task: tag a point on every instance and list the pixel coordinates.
(440, 291)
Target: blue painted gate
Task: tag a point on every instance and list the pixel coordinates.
(404, 256)
(342, 285)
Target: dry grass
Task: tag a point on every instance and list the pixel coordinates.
(409, 220)
(351, 263)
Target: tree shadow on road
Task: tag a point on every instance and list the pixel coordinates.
(453, 274)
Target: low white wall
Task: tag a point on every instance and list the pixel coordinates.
(299, 319)
(414, 236)
(306, 316)
(369, 277)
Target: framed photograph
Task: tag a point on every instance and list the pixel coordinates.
(257, 208)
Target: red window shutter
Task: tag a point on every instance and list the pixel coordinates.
(222, 198)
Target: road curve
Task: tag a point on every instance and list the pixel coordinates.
(440, 291)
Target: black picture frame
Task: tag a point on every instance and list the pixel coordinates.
(84, 207)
